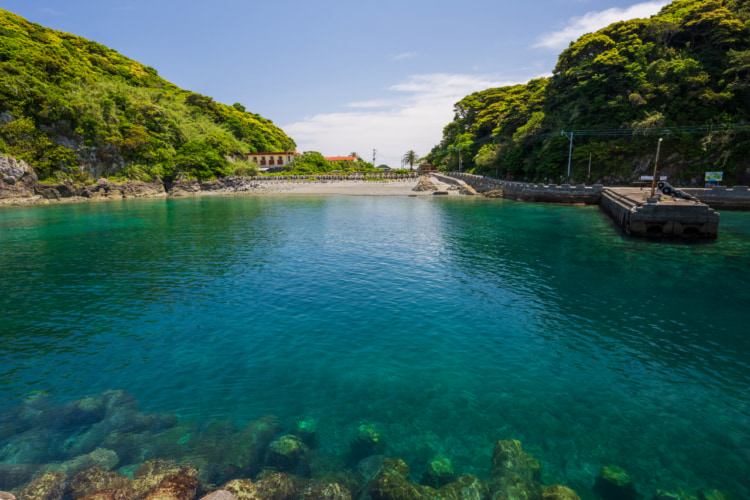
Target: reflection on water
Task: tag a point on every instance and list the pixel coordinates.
(447, 324)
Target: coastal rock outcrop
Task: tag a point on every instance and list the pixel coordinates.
(17, 179)
(425, 184)
(102, 189)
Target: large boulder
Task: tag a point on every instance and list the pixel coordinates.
(182, 486)
(425, 184)
(49, 486)
(95, 479)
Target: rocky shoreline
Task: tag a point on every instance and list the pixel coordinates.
(19, 186)
(104, 448)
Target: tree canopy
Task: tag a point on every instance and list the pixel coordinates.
(688, 65)
(66, 101)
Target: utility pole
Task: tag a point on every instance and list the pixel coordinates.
(374, 151)
(570, 153)
(460, 165)
(656, 168)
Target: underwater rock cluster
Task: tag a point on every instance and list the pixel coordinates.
(104, 448)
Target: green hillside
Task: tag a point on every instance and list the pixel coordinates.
(67, 102)
(622, 88)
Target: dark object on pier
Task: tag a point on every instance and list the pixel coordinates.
(670, 190)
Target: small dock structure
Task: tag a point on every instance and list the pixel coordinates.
(630, 208)
(660, 217)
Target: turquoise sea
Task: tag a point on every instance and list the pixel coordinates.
(447, 324)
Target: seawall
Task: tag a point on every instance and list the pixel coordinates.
(578, 194)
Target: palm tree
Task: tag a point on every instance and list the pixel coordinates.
(411, 158)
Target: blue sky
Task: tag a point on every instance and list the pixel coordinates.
(340, 76)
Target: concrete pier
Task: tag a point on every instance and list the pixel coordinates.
(663, 217)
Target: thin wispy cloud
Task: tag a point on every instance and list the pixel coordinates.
(50, 11)
(594, 21)
(402, 56)
(413, 119)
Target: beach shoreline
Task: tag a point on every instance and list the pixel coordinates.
(107, 191)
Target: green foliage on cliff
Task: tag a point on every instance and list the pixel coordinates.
(66, 101)
(688, 65)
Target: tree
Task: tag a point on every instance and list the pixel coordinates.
(411, 158)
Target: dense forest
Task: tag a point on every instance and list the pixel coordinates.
(72, 107)
(683, 75)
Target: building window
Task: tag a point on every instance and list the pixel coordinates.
(280, 162)
(263, 160)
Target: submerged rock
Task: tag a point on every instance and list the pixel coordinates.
(288, 453)
(307, 430)
(316, 490)
(95, 479)
(614, 483)
(181, 486)
(219, 495)
(80, 413)
(244, 450)
(367, 442)
(558, 492)
(466, 487)
(4, 495)
(515, 474)
(14, 475)
(49, 486)
(713, 495)
(438, 473)
(242, 489)
(276, 486)
(392, 483)
(151, 473)
(467, 190)
(497, 193)
(105, 459)
(669, 495)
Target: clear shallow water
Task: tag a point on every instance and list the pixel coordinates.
(448, 323)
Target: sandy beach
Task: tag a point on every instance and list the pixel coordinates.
(352, 188)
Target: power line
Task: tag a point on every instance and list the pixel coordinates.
(621, 132)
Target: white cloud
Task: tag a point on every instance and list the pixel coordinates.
(413, 119)
(402, 56)
(594, 21)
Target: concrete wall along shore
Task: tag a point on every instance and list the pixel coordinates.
(578, 194)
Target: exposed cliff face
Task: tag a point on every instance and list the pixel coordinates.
(17, 179)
